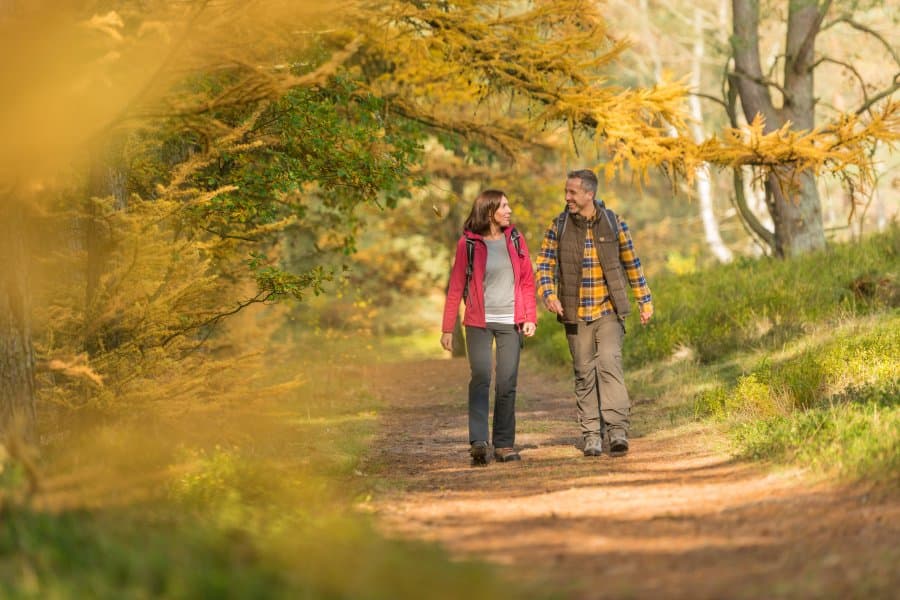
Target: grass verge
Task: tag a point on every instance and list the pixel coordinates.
(799, 360)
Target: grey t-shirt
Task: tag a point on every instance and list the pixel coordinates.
(499, 282)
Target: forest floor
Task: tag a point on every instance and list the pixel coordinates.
(675, 518)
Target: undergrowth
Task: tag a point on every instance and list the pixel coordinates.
(797, 359)
(235, 500)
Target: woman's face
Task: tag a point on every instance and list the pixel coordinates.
(503, 213)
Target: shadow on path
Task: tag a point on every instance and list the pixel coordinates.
(673, 519)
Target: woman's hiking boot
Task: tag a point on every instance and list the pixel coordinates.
(506, 455)
(479, 454)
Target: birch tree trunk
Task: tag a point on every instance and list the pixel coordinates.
(711, 231)
(793, 197)
(704, 185)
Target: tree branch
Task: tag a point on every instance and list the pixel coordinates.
(129, 106)
(879, 96)
(761, 81)
(753, 225)
(259, 298)
(711, 98)
(805, 49)
(860, 27)
(862, 82)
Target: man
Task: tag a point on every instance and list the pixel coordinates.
(586, 262)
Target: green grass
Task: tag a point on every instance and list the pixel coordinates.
(798, 360)
(830, 402)
(753, 304)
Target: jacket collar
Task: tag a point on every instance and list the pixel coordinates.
(507, 233)
(582, 221)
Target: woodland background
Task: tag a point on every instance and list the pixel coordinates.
(203, 202)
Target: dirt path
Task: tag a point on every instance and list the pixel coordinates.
(673, 519)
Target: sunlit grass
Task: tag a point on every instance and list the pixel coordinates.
(797, 360)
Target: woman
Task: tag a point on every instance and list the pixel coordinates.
(499, 294)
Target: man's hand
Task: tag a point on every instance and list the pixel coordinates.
(553, 305)
(528, 329)
(646, 313)
(447, 341)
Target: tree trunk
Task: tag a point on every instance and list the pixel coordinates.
(793, 198)
(796, 213)
(702, 176)
(104, 181)
(17, 411)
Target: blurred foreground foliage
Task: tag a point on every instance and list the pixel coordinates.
(252, 497)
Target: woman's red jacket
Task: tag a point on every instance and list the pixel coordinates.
(525, 308)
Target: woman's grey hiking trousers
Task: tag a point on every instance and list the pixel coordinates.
(478, 342)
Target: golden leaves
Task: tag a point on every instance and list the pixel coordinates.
(835, 147)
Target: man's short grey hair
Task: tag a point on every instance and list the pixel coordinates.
(588, 180)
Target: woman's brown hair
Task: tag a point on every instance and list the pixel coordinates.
(484, 207)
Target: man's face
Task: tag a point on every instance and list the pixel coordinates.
(578, 199)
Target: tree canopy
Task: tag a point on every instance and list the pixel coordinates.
(193, 158)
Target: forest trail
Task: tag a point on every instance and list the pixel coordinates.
(673, 519)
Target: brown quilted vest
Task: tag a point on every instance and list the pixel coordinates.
(570, 255)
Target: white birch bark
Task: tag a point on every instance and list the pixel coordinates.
(702, 176)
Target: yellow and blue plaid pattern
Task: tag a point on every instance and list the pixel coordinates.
(593, 297)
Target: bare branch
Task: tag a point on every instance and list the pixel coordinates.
(882, 94)
(260, 298)
(761, 81)
(753, 225)
(848, 66)
(711, 98)
(868, 30)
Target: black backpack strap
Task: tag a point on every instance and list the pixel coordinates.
(561, 225)
(560, 229)
(613, 220)
(470, 259)
(516, 240)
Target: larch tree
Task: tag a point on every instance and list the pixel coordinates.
(291, 126)
(791, 192)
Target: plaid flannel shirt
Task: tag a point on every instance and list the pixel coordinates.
(593, 297)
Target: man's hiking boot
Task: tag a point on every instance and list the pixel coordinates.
(618, 443)
(479, 453)
(593, 446)
(506, 455)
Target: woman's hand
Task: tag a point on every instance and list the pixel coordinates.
(447, 341)
(528, 329)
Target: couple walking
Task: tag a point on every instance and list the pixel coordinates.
(586, 262)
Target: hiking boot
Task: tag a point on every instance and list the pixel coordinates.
(506, 455)
(593, 446)
(618, 443)
(479, 454)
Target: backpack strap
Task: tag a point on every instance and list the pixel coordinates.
(470, 259)
(563, 217)
(612, 219)
(516, 238)
(561, 224)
